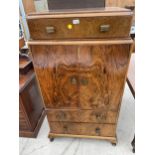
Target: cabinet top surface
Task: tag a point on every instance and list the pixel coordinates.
(81, 12)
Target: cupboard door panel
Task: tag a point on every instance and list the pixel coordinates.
(81, 76)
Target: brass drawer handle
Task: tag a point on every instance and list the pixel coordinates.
(61, 116)
(73, 80)
(50, 29)
(99, 116)
(65, 128)
(97, 130)
(104, 28)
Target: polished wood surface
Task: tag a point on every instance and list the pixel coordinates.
(119, 24)
(83, 129)
(68, 72)
(94, 64)
(82, 80)
(85, 116)
(119, 27)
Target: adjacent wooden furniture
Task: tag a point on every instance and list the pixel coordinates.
(31, 110)
(21, 42)
(131, 84)
(81, 60)
(29, 6)
(120, 3)
(25, 63)
(74, 4)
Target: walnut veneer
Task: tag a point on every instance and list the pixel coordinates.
(82, 70)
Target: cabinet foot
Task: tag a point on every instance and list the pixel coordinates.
(113, 144)
(133, 145)
(51, 139)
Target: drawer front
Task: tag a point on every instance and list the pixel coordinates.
(83, 129)
(80, 28)
(92, 116)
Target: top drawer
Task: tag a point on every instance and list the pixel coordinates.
(46, 27)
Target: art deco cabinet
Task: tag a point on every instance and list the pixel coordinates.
(81, 60)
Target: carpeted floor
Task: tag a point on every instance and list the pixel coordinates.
(75, 146)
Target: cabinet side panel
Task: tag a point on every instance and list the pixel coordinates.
(32, 102)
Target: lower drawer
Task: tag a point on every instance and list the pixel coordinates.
(107, 130)
(85, 116)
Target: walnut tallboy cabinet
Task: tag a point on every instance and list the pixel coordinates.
(81, 60)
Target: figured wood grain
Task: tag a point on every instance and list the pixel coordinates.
(104, 65)
(82, 79)
(75, 115)
(88, 28)
(83, 129)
